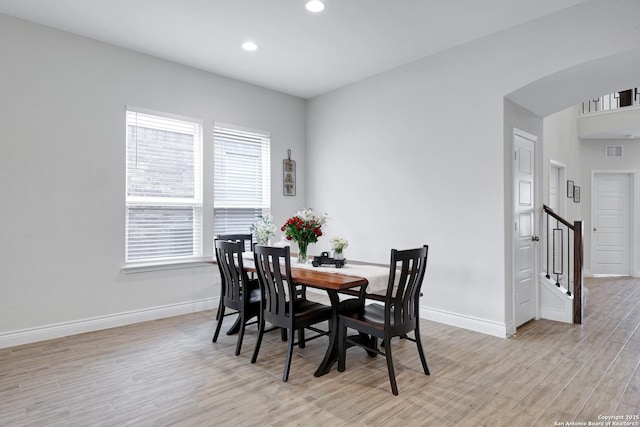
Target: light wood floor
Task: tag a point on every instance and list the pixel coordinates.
(167, 372)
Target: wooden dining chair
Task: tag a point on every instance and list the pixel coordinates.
(398, 316)
(245, 239)
(238, 294)
(281, 307)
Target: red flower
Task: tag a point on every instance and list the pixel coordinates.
(300, 230)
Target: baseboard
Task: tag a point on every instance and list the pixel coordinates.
(58, 330)
(555, 315)
(461, 321)
(476, 324)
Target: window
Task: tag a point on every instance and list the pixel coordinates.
(164, 188)
(242, 176)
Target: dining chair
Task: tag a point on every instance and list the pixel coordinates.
(244, 238)
(395, 318)
(237, 292)
(281, 307)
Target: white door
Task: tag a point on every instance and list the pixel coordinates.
(611, 224)
(525, 234)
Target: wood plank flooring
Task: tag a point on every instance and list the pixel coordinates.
(167, 372)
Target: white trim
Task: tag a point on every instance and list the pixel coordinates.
(471, 323)
(549, 289)
(524, 134)
(151, 112)
(260, 132)
(555, 315)
(168, 265)
(562, 191)
(605, 112)
(58, 330)
(476, 324)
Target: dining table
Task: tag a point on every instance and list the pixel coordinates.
(351, 279)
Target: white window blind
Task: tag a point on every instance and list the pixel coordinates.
(164, 188)
(242, 173)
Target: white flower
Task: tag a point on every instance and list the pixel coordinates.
(307, 214)
(338, 244)
(263, 229)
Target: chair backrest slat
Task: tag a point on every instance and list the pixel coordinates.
(246, 239)
(406, 274)
(277, 287)
(229, 256)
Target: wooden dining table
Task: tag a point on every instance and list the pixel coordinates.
(334, 284)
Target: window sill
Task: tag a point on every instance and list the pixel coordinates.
(167, 265)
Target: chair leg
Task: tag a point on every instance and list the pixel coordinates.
(301, 341)
(342, 346)
(240, 333)
(220, 319)
(423, 359)
(220, 305)
(392, 374)
(259, 341)
(287, 363)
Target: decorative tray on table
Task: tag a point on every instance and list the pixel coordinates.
(324, 259)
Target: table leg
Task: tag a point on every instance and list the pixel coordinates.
(331, 356)
(235, 328)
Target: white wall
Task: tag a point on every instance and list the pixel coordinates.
(417, 155)
(561, 144)
(396, 163)
(62, 171)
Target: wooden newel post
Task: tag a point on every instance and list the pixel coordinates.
(577, 271)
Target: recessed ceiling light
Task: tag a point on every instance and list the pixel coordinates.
(250, 46)
(315, 6)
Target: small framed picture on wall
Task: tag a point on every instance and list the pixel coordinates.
(570, 189)
(289, 176)
(576, 194)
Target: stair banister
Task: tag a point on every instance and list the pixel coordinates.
(574, 285)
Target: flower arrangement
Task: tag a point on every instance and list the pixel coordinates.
(263, 229)
(304, 228)
(338, 244)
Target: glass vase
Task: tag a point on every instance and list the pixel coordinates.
(302, 252)
(338, 255)
(263, 242)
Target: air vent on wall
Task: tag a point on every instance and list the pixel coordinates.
(613, 151)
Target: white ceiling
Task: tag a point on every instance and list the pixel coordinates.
(299, 53)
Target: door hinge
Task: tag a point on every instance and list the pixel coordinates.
(515, 155)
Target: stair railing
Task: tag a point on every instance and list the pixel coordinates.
(612, 101)
(564, 242)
